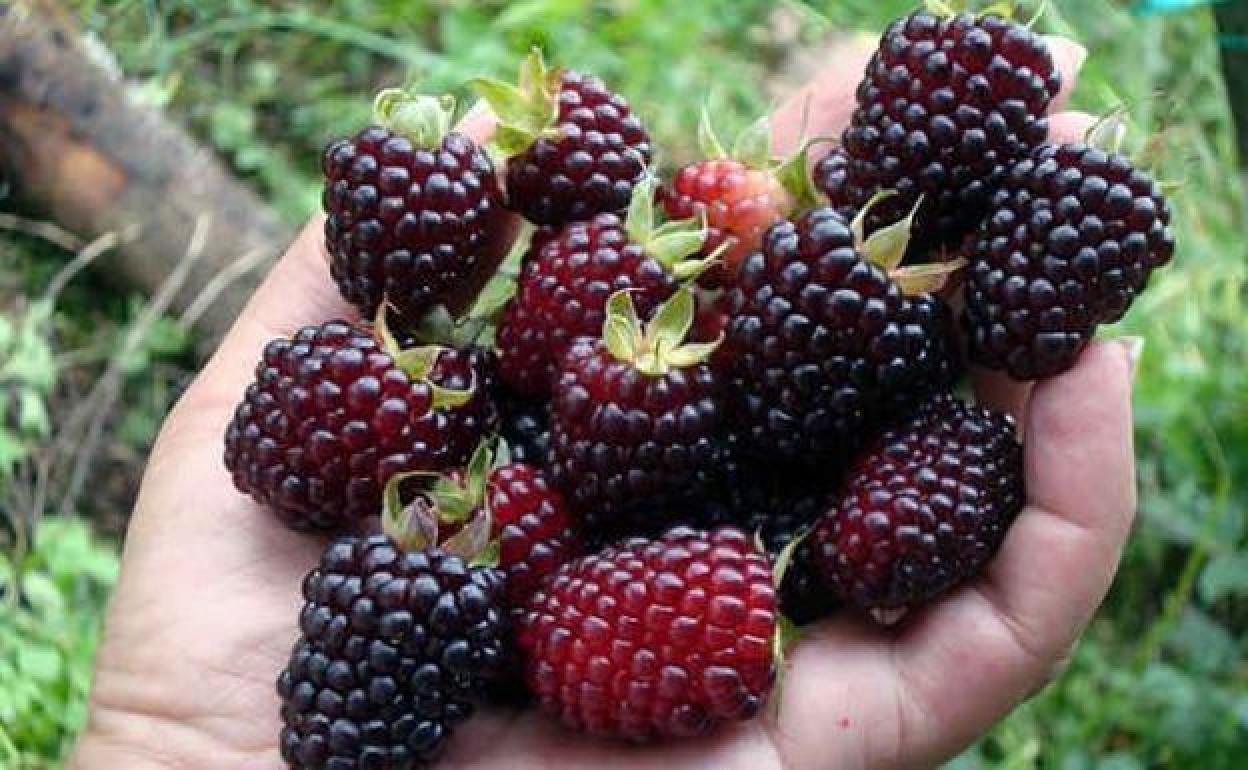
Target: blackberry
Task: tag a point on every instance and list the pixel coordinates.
(1071, 239)
(945, 106)
(923, 508)
(525, 426)
(821, 342)
(472, 369)
(395, 648)
(574, 148)
(634, 418)
(412, 210)
(328, 420)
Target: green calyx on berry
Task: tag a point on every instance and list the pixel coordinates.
(457, 501)
(659, 346)
(672, 244)
(423, 119)
(418, 362)
(887, 246)
(752, 148)
(1006, 9)
(527, 109)
(787, 632)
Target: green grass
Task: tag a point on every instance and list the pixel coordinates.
(1161, 680)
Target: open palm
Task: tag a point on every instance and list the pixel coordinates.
(204, 616)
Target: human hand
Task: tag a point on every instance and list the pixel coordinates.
(203, 618)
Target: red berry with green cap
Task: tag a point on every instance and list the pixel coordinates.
(740, 193)
(573, 147)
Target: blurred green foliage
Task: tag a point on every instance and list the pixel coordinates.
(1160, 681)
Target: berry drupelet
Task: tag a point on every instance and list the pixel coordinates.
(946, 105)
(657, 638)
(923, 508)
(413, 210)
(634, 418)
(525, 426)
(395, 647)
(1071, 238)
(331, 416)
(565, 282)
(574, 148)
(822, 339)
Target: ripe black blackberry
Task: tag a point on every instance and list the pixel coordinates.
(574, 148)
(924, 507)
(634, 418)
(413, 210)
(1071, 238)
(525, 426)
(821, 341)
(395, 648)
(472, 369)
(946, 105)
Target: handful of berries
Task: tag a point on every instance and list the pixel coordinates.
(607, 468)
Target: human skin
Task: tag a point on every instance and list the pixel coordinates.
(204, 614)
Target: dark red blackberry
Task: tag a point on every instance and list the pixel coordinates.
(395, 648)
(535, 530)
(923, 508)
(658, 638)
(328, 420)
(574, 148)
(945, 106)
(821, 341)
(564, 286)
(412, 211)
(1071, 238)
(634, 417)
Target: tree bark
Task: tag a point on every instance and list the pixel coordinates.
(74, 146)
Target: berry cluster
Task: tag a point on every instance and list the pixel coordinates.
(609, 468)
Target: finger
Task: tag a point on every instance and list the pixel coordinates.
(1008, 631)
(827, 100)
(995, 389)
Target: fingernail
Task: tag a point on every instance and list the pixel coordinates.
(1133, 348)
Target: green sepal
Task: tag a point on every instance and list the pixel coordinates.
(1109, 132)
(687, 270)
(794, 176)
(887, 246)
(753, 145)
(413, 526)
(381, 328)
(655, 348)
(670, 243)
(423, 119)
(473, 539)
(450, 398)
(931, 277)
(1004, 8)
(708, 141)
(526, 110)
(418, 362)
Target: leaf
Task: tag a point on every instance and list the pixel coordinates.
(41, 663)
(1225, 576)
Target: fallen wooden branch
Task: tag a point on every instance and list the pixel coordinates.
(77, 148)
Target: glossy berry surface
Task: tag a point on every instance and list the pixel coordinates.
(625, 443)
(945, 106)
(536, 531)
(394, 649)
(820, 342)
(327, 421)
(654, 638)
(464, 426)
(407, 223)
(598, 152)
(739, 203)
(923, 508)
(562, 295)
(525, 426)
(1072, 238)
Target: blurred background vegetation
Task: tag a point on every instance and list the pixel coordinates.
(1161, 680)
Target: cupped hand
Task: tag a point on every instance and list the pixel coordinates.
(205, 613)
